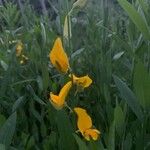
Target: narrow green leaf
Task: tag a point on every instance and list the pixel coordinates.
(66, 138)
(45, 76)
(111, 137)
(79, 3)
(81, 144)
(18, 103)
(30, 144)
(129, 97)
(8, 129)
(2, 120)
(119, 119)
(67, 33)
(43, 32)
(142, 85)
(136, 18)
(127, 144)
(77, 52)
(40, 83)
(119, 116)
(118, 55)
(4, 65)
(144, 5)
(35, 97)
(2, 147)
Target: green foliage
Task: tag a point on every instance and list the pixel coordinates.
(142, 85)
(129, 96)
(139, 21)
(110, 44)
(7, 130)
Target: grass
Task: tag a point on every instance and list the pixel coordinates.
(110, 42)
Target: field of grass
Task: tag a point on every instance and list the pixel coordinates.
(108, 40)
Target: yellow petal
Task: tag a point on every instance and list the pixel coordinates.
(84, 81)
(58, 57)
(84, 120)
(19, 48)
(65, 90)
(21, 62)
(24, 57)
(56, 101)
(91, 133)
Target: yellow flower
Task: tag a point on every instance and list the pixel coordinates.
(58, 101)
(83, 82)
(58, 57)
(21, 62)
(94, 133)
(24, 59)
(19, 48)
(84, 124)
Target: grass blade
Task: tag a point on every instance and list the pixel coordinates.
(136, 18)
(8, 129)
(129, 97)
(142, 85)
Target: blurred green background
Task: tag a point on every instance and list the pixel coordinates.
(110, 42)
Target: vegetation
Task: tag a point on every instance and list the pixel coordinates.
(107, 40)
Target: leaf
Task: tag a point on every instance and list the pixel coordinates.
(142, 85)
(2, 120)
(12, 148)
(31, 143)
(35, 97)
(43, 32)
(129, 97)
(18, 103)
(36, 114)
(40, 83)
(4, 65)
(119, 116)
(2, 147)
(79, 3)
(8, 129)
(77, 52)
(118, 55)
(67, 28)
(81, 144)
(144, 5)
(66, 138)
(111, 136)
(119, 119)
(45, 76)
(136, 18)
(127, 145)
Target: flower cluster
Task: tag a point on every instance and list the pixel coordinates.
(19, 53)
(60, 61)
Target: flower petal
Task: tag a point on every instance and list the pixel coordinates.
(58, 57)
(93, 133)
(84, 120)
(84, 81)
(56, 101)
(19, 48)
(65, 90)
